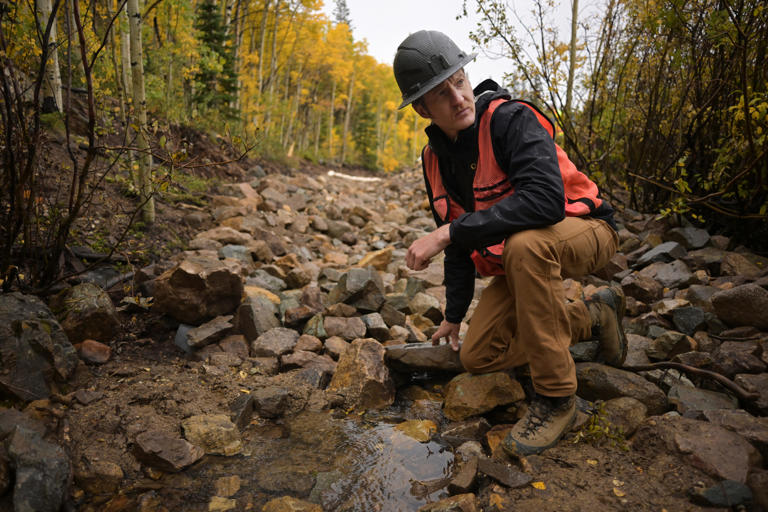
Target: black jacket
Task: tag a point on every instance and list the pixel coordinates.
(526, 152)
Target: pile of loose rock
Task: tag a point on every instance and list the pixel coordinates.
(302, 287)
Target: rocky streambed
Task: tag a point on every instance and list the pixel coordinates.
(281, 364)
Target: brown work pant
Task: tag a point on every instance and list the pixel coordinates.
(523, 317)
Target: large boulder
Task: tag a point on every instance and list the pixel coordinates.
(472, 394)
(600, 382)
(742, 305)
(34, 350)
(85, 311)
(198, 289)
(362, 377)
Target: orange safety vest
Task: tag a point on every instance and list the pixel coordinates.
(491, 184)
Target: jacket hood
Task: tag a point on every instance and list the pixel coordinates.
(485, 93)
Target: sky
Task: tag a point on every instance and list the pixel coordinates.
(385, 24)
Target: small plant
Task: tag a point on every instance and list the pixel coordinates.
(598, 431)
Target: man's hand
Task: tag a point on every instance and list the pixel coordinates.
(447, 330)
(423, 249)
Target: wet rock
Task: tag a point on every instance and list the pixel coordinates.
(691, 402)
(362, 377)
(361, 288)
(474, 429)
(275, 342)
(241, 410)
(733, 357)
(458, 503)
(270, 401)
(753, 429)
(85, 311)
(93, 352)
(503, 473)
(625, 413)
(198, 289)
(688, 237)
(42, 472)
(412, 357)
(347, 328)
(290, 504)
(464, 481)
(420, 430)
(666, 252)
(254, 317)
(165, 452)
(727, 493)
(713, 449)
(33, 347)
(474, 394)
(214, 433)
(600, 382)
(375, 327)
(755, 384)
(742, 305)
(99, 476)
(209, 332)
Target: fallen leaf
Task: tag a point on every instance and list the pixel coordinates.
(592, 462)
(619, 492)
(539, 485)
(617, 483)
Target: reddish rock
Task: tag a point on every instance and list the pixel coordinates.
(93, 352)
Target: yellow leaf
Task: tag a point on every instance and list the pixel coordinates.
(619, 492)
(592, 462)
(617, 483)
(539, 485)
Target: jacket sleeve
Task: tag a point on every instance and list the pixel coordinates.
(458, 272)
(526, 153)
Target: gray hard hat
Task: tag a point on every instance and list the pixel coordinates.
(423, 60)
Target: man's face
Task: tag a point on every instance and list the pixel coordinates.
(450, 105)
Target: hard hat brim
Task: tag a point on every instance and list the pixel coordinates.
(437, 80)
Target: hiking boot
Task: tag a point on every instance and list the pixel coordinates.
(545, 422)
(606, 309)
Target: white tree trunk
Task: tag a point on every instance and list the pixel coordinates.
(125, 52)
(572, 58)
(330, 120)
(52, 80)
(347, 116)
(140, 114)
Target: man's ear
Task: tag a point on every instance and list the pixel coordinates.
(421, 109)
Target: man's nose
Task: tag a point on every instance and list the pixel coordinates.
(455, 95)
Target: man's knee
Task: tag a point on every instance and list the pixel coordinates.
(524, 248)
(471, 362)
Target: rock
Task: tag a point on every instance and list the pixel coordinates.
(377, 259)
(473, 429)
(727, 493)
(99, 476)
(735, 264)
(221, 504)
(347, 328)
(93, 352)
(758, 482)
(688, 237)
(235, 344)
(270, 401)
(290, 504)
(637, 347)
(689, 319)
(362, 377)
(254, 317)
(670, 275)
(298, 278)
(375, 327)
(617, 263)
(666, 252)
(503, 473)
(209, 332)
(412, 357)
(226, 236)
(713, 449)
(733, 357)
(420, 430)
(584, 351)
(85, 311)
(474, 394)
(691, 402)
(625, 413)
(309, 343)
(361, 288)
(214, 433)
(305, 359)
(198, 289)
(10, 418)
(464, 481)
(755, 384)
(314, 327)
(165, 452)
(33, 348)
(275, 342)
(751, 428)
(458, 503)
(227, 485)
(426, 305)
(241, 410)
(42, 472)
(669, 344)
(336, 346)
(742, 305)
(642, 288)
(600, 382)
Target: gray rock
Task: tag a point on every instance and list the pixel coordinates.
(715, 450)
(700, 296)
(691, 402)
(474, 394)
(426, 305)
(241, 410)
(666, 252)
(584, 351)
(733, 357)
(237, 252)
(414, 357)
(637, 347)
(625, 413)
(305, 359)
(755, 384)
(85, 311)
(271, 401)
(198, 289)
(165, 452)
(689, 319)
(335, 346)
(209, 332)
(314, 327)
(742, 305)
(33, 347)
(642, 288)
(727, 493)
(375, 327)
(474, 429)
(361, 288)
(264, 279)
(503, 473)
(43, 472)
(688, 237)
(254, 317)
(753, 429)
(347, 328)
(362, 377)
(735, 264)
(275, 342)
(180, 338)
(669, 344)
(600, 382)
